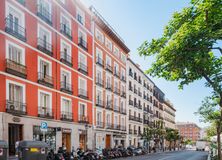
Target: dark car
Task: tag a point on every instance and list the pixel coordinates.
(134, 150)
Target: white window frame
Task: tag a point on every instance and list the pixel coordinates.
(99, 35)
(50, 65)
(63, 15)
(97, 91)
(110, 59)
(81, 103)
(85, 57)
(39, 26)
(62, 42)
(9, 5)
(69, 74)
(83, 79)
(82, 14)
(50, 97)
(63, 107)
(99, 53)
(49, 3)
(108, 44)
(18, 84)
(101, 115)
(17, 46)
(116, 51)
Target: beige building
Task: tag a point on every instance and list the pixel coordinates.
(169, 114)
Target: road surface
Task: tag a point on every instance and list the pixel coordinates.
(175, 155)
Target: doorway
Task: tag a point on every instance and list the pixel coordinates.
(108, 141)
(82, 141)
(14, 134)
(66, 141)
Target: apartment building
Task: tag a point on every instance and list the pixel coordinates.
(189, 130)
(139, 97)
(110, 54)
(46, 72)
(169, 115)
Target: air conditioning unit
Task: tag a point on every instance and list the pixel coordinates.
(12, 107)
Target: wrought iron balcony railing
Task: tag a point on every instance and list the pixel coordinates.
(83, 119)
(44, 14)
(45, 112)
(83, 68)
(109, 68)
(66, 58)
(15, 107)
(45, 46)
(45, 79)
(64, 29)
(15, 68)
(66, 87)
(83, 93)
(83, 44)
(99, 61)
(66, 116)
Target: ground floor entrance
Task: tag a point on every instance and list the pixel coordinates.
(66, 141)
(15, 133)
(108, 141)
(82, 141)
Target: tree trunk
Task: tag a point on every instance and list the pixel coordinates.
(170, 145)
(219, 132)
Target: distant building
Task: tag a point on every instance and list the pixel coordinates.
(169, 114)
(189, 130)
(203, 133)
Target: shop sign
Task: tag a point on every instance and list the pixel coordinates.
(66, 130)
(44, 126)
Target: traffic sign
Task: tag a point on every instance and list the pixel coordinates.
(44, 126)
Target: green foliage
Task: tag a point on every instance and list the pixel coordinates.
(184, 52)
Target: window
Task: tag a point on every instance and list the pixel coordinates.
(65, 25)
(82, 84)
(82, 39)
(44, 67)
(99, 95)
(116, 51)
(99, 118)
(15, 53)
(108, 44)
(15, 92)
(99, 53)
(65, 78)
(99, 36)
(82, 109)
(123, 73)
(44, 38)
(62, 1)
(66, 104)
(116, 68)
(65, 48)
(80, 16)
(45, 10)
(108, 81)
(123, 57)
(108, 60)
(15, 21)
(45, 103)
(82, 62)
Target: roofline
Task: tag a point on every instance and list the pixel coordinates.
(108, 29)
(170, 105)
(140, 70)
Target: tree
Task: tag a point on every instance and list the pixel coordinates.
(169, 137)
(186, 51)
(148, 135)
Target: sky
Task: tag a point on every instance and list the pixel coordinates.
(139, 20)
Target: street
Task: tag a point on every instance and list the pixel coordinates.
(177, 155)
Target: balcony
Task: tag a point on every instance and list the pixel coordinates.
(83, 119)
(130, 88)
(15, 107)
(131, 102)
(109, 105)
(139, 120)
(45, 46)
(140, 132)
(140, 94)
(116, 73)
(135, 132)
(131, 73)
(15, 29)
(135, 104)
(145, 109)
(45, 112)
(80, 19)
(116, 127)
(82, 93)
(45, 79)
(135, 90)
(109, 126)
(83, 44)
(99, 61)
(66, 59)
(145, 121)
(99, 82)
(66, 116)
(99, 103)
(83, 68)
(135, 77)
(44, 14)
(65, 30)
(15, 68)
(109, 68)
(130, 131)
(131, 117)
(123, 111)
(123, 94)
(140, 106)
(99, 124)
(140, 81)
(123, 128)
(116, 108)
(66, 87)
(144, 97)
(109, 87)
(123, 78)
(116, 91)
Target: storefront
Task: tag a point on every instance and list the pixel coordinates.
(82, 139)
(66, 138)
(49, 137)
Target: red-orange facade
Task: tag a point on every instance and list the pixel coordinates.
(46, 70)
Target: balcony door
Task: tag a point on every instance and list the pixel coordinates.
(82, 110)
(15, 97)
(65, 79)
(45, 38)
(15, 54)
(66, 108)
(99, 119)
(45, 104)
(44, 69)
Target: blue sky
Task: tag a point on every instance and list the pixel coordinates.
(139, 20)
